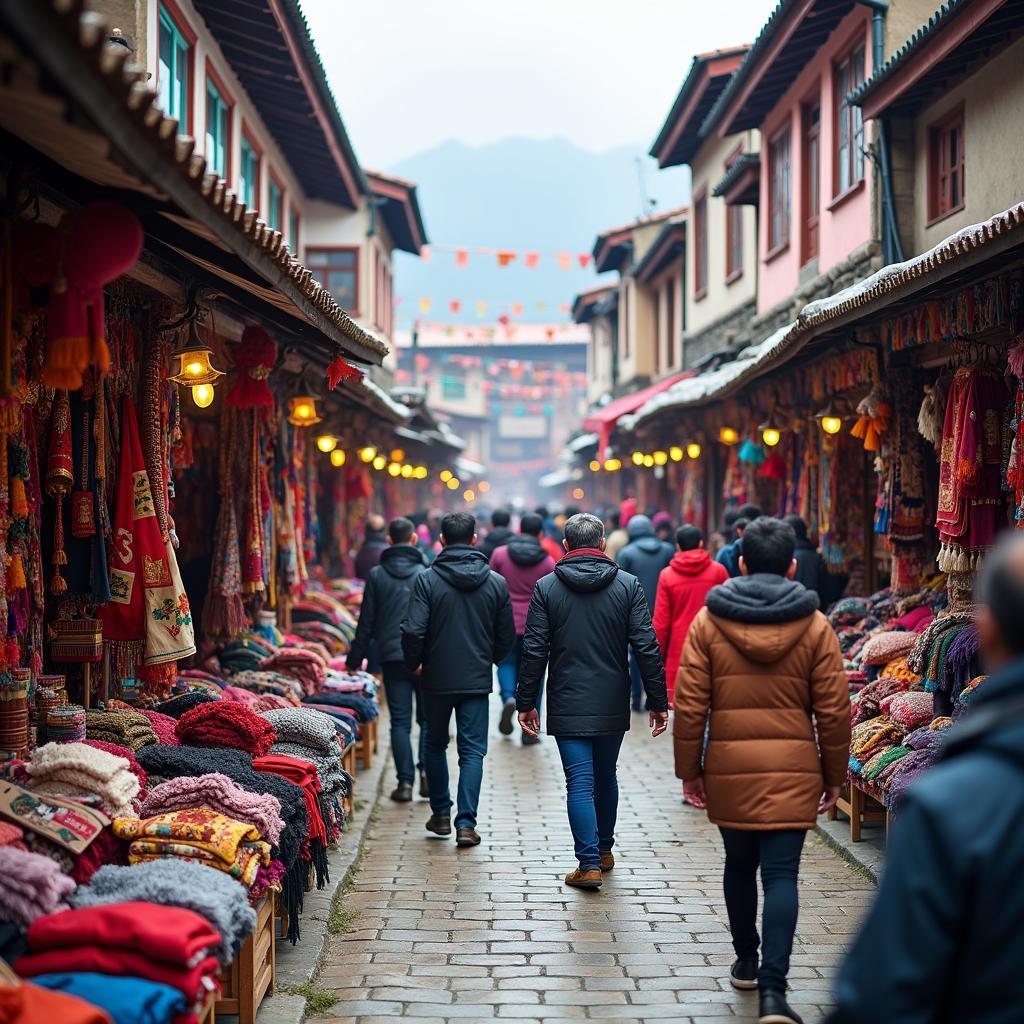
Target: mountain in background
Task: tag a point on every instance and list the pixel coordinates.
(522, 195)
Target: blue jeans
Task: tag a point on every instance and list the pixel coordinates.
(777, 851)
(508, 674)
(471, 742)
(592, 793)
(402, 688)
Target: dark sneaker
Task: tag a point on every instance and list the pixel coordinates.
(530, 741)
(424, 786)
(508, 712)
(402, 793)
(743, 973)
(590, 879)
(467, 837)
(440, 825)
(775, 1010)
(607, 861)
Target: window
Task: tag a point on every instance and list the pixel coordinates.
(670, 303)
(174, 67)
(218, 127)
(338, 271)
(275, 204)
(779, 173)
(811, 119)
(249, 174)
(453, 387)
(946, 184)
(293, 230)
(700, 244)
(849, 135)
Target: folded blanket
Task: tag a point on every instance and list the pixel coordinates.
(175, 707)
(125, 1000)
(74, 769)
(226, 724)
(27, 1003)
(126, 728)
(31, 885)
(304, 726)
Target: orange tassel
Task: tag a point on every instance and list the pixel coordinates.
(860, 428)
(16, 574)
(58, 585)
(19, 500)
(872, 441)
(100, 355)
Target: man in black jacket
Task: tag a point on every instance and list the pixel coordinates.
(583, 620)
(380, 622)
(810, 567)
(373, 547)
(499, 534)
(943, 942)
(458, 626)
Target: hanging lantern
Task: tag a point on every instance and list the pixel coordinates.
(675, 453)
(367, 454)
(407, 471)
(638, 458)
(453, 484)
(829, 419)
(648, 461)
(338, 458)
(326, 443)
(379, 462)
(194, 366)
(394, 468)
(594, 465)
(446, 475)
(302, 411)
(771, 435)
(612, 465)
(660, 458)
(469, 496)
(693, 450)
(578, 493)
(728, 435)
(202, 395)
(483, 487)
(421, 473)
(397, 455)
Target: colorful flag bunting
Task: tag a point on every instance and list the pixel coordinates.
(564, 260)
(584, 258)
(506, 258)
(517, 309)
(425, 305)
(481, 308)
(462, 258)
(455, 305)
(425, 254)
(530, 260)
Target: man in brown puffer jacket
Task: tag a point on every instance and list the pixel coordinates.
(762, 669)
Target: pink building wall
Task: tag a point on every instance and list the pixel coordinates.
(847, 224)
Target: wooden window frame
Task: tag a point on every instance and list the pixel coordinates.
(670, 327)
(214, 79)
(320, 272)
(733, 229)
(273, 179)
(841, 110)
(247, 139)
(775, 246)
(700, 244)
(177, 18)
(810, 225)
(937, 143)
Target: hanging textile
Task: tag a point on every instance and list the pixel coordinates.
(59, 478)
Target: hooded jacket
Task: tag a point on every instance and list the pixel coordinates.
(458, 624)
(496, 538)
(682, 590)
(384, 602)
(522, 562)
(810, 567)
(949, 905)
(645, 556)
(583, 618)
(369, 554)
(766, 664)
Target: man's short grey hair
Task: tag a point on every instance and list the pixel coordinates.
(1000, 586)
(583, 531)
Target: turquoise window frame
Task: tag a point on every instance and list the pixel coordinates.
(275, 204)
(249, 174)
(173, 84)
(218, 115)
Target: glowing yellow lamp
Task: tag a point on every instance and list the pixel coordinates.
(693, 450)
(594, 465)
(612, 465)
(420, 473)
(483, 487)
(831, 424)
(648, 461)
(453, 483)
(202, 395)
(367, 454)
(398, 455)
(394, 468)
(728, 435)
(446, 475)
(326, 443)
(660, 458)
(578, 493)
(302, 411)
(675, 453)
(638, 458)
(469, 496)
(379, 462)
(194, 366)
(407, 470)
(771, 436)
(338, 458)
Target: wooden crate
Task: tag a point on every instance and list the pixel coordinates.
(250, 976)
(208, 1014)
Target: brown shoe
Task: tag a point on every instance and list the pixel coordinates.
(607, 861)
(467, 837)
(584, 879)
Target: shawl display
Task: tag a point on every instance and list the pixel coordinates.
(226, 724)
(177, 883)
(148, 609)
(27, 1003)
(220, 794)
(126, 1000)
(173, 762)
(905, 459)
(882, 760)
(127, 753)
(971, 504)
(127, 728)
(199, 834)
(163, 726)
(884, 647)
(306, 727)
(909, 710)
(175, 707)
(31, 885)
(76, 769)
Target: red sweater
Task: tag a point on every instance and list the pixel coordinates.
(682, 590)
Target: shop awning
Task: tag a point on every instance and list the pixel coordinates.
(556, 478)
(602, 421)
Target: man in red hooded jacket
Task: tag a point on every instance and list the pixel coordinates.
(682, 591)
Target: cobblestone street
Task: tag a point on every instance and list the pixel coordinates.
(491, 932)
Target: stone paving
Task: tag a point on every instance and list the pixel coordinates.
(491, 932)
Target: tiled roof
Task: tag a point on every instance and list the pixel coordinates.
(739, 167)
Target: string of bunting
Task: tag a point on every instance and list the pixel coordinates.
(530, 259)
(480, 306)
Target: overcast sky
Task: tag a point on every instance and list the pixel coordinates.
(408, 74)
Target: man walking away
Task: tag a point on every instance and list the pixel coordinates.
(499, 534)
(617, 538)
(583, 619)
(373, 546)
(810, 567)
(522, 562)
(380, 621)
(682, 590)
(729, 556)
(458, 625)
(764, 663)
(643, 557)
(949, 907)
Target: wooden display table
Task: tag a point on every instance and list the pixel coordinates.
(208, 1014)
(367, 744)
(859, 807)
(250, 976)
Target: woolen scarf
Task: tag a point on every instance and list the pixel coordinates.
(175, 707)
(226, 724)
(127, 753)
(74, 769)
(305, 727)
(31, 885)
(127, 728)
